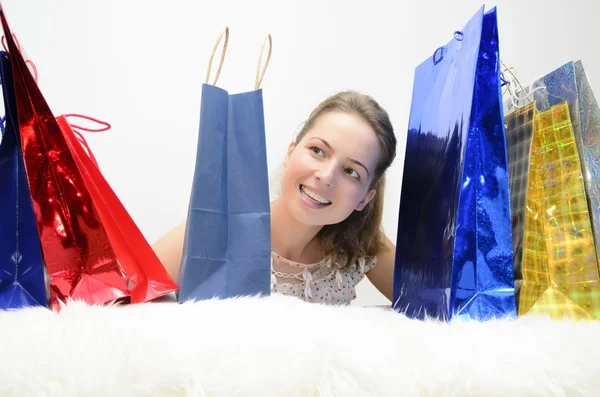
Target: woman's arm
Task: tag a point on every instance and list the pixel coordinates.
(169, 249)
(382, 275)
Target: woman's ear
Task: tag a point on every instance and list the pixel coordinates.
(368, 197)
(289, 152)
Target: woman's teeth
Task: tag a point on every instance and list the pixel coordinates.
(314, 196)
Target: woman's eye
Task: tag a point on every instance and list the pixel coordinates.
(352, 173)
(317, 151)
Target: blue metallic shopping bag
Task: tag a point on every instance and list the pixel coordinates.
(22, 280)
(454, 245)
(227, 246)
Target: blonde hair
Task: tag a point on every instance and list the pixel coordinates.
(360, 234)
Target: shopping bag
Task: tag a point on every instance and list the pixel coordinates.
(22, 280)
(148, 277)
(454, 244)
(519, 132)
(227, 246)
(559, 267)
(589, 123)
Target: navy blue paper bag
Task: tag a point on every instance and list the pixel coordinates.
(454, 246)
(227, 246)
(22, 280)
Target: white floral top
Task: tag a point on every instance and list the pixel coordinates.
(319, 282)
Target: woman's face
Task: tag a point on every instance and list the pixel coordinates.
(328, 173)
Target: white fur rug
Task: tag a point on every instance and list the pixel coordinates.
(281, 346)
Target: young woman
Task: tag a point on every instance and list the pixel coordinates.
(326, 223)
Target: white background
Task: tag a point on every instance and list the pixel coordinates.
(140, 65)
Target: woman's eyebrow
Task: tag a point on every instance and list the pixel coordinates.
(351, 160)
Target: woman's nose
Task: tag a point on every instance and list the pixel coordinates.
(325, 173)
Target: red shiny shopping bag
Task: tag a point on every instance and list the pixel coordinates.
(148, 276)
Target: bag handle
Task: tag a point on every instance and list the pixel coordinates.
(259, 75)
(76, 130)
(512, 80)
(212, 55)
(28, 62)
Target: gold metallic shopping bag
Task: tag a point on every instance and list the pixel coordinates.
(560, 266)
